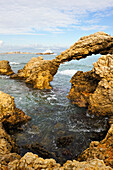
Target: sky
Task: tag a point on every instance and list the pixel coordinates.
(37, 25)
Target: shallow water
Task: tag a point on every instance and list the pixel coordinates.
(53, 116)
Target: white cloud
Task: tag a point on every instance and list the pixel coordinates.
(94, 27)
(31, 17)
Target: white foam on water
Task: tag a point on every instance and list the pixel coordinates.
(67, 72)
(4, 77)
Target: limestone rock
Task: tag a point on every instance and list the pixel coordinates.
(9, 114)
(102, 150)
(83, 84)
(5, 68)
(31, 161)
(38, 72)
(96, 43)
(101, 101)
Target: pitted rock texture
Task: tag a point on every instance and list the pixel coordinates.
(82, 85)
(94, 89)
(38, 72)
(31, 161)
(97, 43)
(10, 116)
(7, 146)
(5, 68)
(102, 150)
(101, 101)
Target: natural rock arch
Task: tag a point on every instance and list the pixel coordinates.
(40, 72)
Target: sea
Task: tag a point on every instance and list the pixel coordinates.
(60, 128)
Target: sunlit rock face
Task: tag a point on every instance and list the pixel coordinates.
(97, 43)
(101, 101)
(102, 150)
(5, 68)
(32, 161)
(94, 89)
(38, 72)
(10, 116)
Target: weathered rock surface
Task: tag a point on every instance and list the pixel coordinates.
(7, 146)
(97, 43)
(38, 72)
(5, 68)
(82, 85)
(102, 150)
(94, 88)
(31, 161)
(10, 116)
(101, 101)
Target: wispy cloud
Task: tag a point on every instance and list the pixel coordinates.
(21, 16)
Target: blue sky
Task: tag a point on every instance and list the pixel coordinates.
(51, 24)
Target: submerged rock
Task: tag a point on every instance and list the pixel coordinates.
(5, 68)
(102, 150)
(11, 116)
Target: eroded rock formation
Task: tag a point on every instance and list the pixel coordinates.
(102, 150)
(32, 161)
(97, 43)
(5, 68)
(10, 115)
(38, 72)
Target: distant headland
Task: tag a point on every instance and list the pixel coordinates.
(47, 52)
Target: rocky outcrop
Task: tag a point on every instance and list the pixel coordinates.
(7, 147)
(10, 116)
(38, 72)
(32, 161)
(82, 85)
(102, 150)
(94, 88)
(101, 101)
(97, 43)
(5, 68)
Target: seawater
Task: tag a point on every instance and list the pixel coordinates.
(53, 115)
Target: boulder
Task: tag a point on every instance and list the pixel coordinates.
(38, 72)
(11, 116)
(102, 150)
(5, 68)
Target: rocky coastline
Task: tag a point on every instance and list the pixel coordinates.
(93, 89)
(20, 52)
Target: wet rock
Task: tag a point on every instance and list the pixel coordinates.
(5, 68)
(102, 150)
(10, 116)
(38, 149)
(64, 141)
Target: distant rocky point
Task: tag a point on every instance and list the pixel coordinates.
(47, 52)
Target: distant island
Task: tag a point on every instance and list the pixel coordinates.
(47, 52)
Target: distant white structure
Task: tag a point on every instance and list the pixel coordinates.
(48, 51)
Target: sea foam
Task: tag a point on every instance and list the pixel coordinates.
(67, 72)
